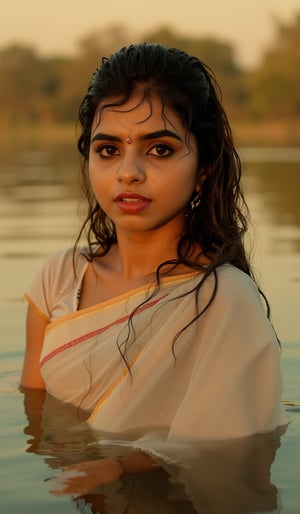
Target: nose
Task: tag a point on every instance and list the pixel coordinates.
(131, 170)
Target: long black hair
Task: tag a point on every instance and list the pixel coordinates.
(219, 223)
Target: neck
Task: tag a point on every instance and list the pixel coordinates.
(140, 254)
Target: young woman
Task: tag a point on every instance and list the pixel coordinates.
(156, 328)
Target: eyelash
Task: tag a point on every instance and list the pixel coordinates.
(103, 148)
(169, 152)
(106, 148)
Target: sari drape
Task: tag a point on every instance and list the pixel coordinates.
(222, 381)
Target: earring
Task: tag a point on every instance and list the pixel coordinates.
(196, 201)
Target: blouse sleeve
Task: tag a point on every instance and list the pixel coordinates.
(49, 282)
(237, 373)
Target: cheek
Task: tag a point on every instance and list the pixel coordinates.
(96, 180)
(95, 171)
(180, 190)
(91, 177)
(186, 176)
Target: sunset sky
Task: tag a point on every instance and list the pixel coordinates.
(55, 26)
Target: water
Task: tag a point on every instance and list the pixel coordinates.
(38, 214)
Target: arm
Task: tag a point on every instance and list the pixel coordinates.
(41, 297)
(35, 331)
(33, 405)
(78, 479)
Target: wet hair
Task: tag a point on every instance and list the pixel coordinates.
(182, 82)
(188, 86)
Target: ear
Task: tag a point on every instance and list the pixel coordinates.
(201, 179)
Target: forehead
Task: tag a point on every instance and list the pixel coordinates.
(137, 111)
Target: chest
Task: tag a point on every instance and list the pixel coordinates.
(98, 287)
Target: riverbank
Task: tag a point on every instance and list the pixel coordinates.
(266, 133)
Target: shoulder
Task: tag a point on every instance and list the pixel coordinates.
(59, 277)
(237, 290)
(235, 280)
(238, 313)
(59, 271)
(64, 260)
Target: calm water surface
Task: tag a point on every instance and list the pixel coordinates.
(38, 214)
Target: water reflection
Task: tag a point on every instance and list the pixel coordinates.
(278, 184)
(38, 199)
(222, 478)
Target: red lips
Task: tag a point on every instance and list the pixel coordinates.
(131, 196)
(132, 203)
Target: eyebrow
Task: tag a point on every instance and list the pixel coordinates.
(151, 135)
(161, 133)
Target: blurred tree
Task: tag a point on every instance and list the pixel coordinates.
(78, 73)
(273, 88)
(34, 89)
(217, 55)
(52, 72)
(19, 83)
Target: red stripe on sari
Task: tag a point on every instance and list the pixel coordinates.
(84, 337)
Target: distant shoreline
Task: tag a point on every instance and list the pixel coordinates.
(245, 133)
(266, 133)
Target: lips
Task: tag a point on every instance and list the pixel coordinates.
(129, 197)
(132, 203)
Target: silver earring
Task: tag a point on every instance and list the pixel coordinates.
(196, 201)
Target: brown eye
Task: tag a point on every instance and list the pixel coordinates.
(107, 151)
(161, 150)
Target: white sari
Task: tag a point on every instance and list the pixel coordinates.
(224, 382)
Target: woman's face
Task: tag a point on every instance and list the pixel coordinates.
(142, 167)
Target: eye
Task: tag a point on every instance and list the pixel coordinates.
(107, 151)
(161, 150)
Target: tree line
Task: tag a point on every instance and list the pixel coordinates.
(35, 89)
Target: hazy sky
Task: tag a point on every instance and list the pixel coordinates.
(55, 26)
